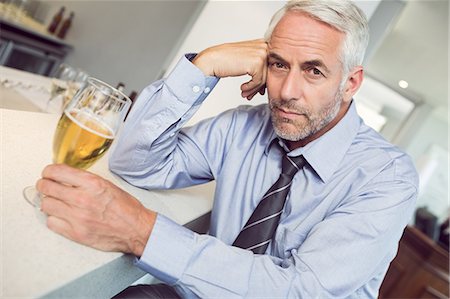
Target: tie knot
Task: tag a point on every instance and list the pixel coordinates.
(290, 165)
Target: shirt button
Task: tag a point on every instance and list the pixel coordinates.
(172, 134)
(207, 89)
(196, 88)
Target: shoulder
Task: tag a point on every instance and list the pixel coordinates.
(239, 125)
(387, 161)
(246, 113)
(243, 117)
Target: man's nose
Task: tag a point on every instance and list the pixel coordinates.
(292, 85)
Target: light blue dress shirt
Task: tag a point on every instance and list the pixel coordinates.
(341, 222)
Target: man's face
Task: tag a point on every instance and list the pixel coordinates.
(304, 76)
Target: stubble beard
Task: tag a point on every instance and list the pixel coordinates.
(310, 123)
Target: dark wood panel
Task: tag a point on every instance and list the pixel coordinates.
(420, 269)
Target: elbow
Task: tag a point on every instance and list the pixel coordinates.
(114, 166)
(119, 164)
(123, 168)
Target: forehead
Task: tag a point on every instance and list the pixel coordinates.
(299, 34)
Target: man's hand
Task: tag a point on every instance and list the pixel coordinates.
(92, 211)
(237, 59)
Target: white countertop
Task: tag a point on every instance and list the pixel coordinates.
(25, 91)
(36, 262)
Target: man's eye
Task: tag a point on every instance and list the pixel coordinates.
(316, 72)
(278, 65)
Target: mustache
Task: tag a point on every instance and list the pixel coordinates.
(288, 105)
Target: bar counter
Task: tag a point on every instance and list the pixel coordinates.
(36, 262)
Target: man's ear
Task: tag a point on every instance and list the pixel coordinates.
(354, 81)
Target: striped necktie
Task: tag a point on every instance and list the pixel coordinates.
(260, 228)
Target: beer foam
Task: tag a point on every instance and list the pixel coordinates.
(87, 117)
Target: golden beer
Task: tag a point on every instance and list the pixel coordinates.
(80, 139)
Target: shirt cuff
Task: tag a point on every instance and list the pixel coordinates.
(168, 250)
(196, 87)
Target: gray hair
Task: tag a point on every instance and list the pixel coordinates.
(342, 15)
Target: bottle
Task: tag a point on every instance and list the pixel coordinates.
(56, 20)
(132, 97)
(65, 26)
(120, 86)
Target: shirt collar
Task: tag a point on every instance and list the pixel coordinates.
(273, 140)
(318, 153)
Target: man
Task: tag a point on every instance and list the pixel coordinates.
(351, 193)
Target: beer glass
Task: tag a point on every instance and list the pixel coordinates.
(65, 83)
(87, 127)
(63, 75)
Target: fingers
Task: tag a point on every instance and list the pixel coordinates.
(54, 189)
(254, 86)
(70, 185)
(60, 226)
(63, 227)
(262, 90)
(54, 207)
(235, 59)
(65, 174)
(90, 210)
(59, 217)
(249, 94)
(252, 93)
(77, 224)
(258, 80)
(258, 74)
(65, 220)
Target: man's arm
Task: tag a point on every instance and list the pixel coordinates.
(90, 210)
(153, 150)
(335, 259)
(352, 246)
(237, 59)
